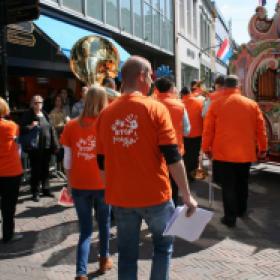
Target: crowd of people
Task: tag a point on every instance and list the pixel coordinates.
(136, 156)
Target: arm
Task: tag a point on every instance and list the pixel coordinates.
(186, 124)
(261, 134)
(177, 170)
(208, 133)
(67, 163)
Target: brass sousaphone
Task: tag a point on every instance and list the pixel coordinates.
(94, 58)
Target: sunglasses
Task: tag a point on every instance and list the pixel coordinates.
(38, 102)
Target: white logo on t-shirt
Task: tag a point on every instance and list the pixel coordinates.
(125, 131)
(86, 147)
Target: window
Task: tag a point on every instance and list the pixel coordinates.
(182, 16)
(162, 6)
(169, 9)
(125, 15)
(148, 22)
(95, 9)
(164, 32)
(137, 17)
(156, 4)
(76, 5)
(189, 17)
(170, 36)
(195, 19)
(156, 36)
(112, 12)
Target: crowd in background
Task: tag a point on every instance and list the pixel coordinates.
(129, 153)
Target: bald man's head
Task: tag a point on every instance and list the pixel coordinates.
(133, 68)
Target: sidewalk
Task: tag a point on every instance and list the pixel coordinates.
(250, 251)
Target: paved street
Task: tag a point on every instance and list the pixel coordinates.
(250, 251)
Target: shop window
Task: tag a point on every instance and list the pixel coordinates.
(138, 18)
(164, 31)
(125, 15)
(76, 5)
(156, 37)
(148, 22)
(170, 36)
(112, 12)
(95, 9)
(169, 9)
(182, 16)
(156, 4)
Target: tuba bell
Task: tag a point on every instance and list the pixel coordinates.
(94, 58)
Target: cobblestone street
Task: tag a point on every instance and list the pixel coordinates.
(250, 251)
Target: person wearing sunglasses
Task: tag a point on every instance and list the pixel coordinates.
(44, 143)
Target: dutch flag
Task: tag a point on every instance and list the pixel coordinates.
(225, 52)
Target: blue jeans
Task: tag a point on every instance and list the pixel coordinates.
(83, 200)
(129, 222)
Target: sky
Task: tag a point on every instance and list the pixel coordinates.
(240, 11)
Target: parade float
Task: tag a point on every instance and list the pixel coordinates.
(257, 64)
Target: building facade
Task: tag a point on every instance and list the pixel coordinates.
(142, 27)
(197, 35)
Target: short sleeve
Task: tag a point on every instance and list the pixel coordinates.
(65, 139)
(166, 131)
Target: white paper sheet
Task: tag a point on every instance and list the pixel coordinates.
(186, 228)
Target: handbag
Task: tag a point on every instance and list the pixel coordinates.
(30, 140)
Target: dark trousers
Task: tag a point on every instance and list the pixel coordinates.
(40, 163)
(191, 156)
(9, 190)
(234, 182)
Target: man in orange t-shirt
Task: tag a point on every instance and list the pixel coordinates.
(167, 94)
(136, 145)
(234, 130)
(192, 142)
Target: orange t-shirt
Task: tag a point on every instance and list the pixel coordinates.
(10, 163)
(176, 110)
(194, 107)
(129, 134)
(84, 173)
(234, 128)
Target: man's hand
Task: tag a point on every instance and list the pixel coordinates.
(208, 154)
(191, 204)
(261, 155)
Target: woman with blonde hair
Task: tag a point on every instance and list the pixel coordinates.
(79, 142)
(10, 172)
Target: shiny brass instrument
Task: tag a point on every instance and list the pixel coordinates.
(94, 58)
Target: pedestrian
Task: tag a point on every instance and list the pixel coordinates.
(10, 173)
(79, 141)
(40, 152)
(219, 87)
(192, 142)
(136, 145)
(233, 135)
(79, 106)
(167, 94)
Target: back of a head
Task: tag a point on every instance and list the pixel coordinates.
(164, 84)
(231, 81)
(109, 83)
(4, 108)
(185, 91)
(132, 69)
(96, 100)
(220, 80)
(194, 84)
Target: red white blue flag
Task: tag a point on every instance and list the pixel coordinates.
(262, 2)
(225, 52)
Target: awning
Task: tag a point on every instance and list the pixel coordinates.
(66, 35)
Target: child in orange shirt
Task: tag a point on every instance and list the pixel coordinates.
(79, 141)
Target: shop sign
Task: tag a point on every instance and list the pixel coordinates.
(26, 26)
(20, 38)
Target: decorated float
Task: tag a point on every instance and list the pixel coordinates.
(258, 66)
